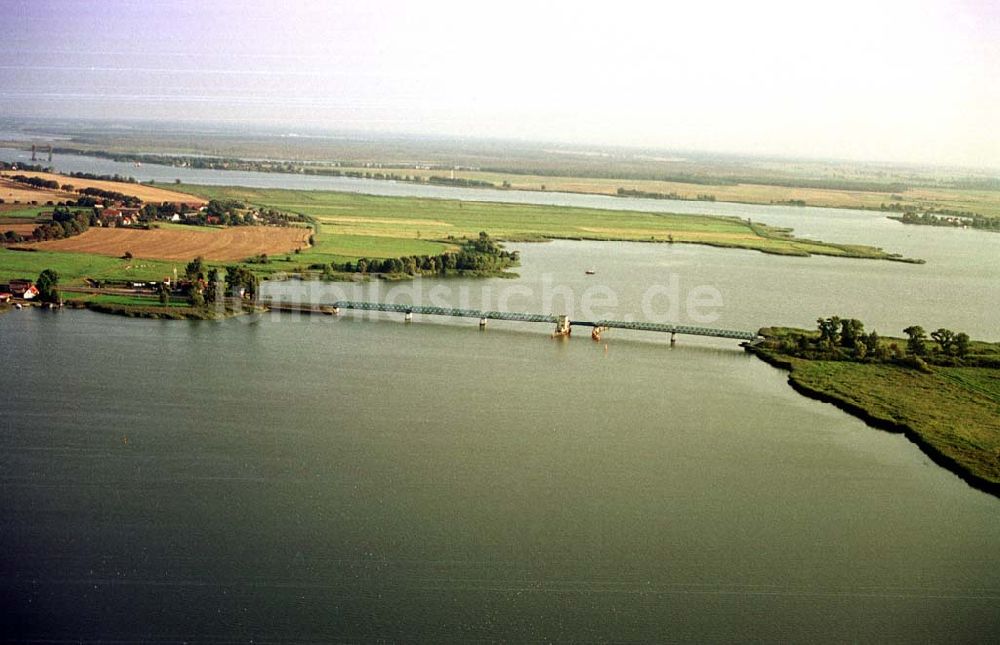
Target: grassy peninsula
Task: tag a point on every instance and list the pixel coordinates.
(351, 226)
(942, 392)
(336, 233)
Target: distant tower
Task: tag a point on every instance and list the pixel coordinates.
(34, 152)
(50, 153)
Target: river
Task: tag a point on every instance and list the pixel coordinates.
(290, 479)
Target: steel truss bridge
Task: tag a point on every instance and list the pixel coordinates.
(563, 323)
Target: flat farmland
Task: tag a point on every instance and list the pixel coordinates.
(217, 244)
(11, 192)
(353, 225)
(147, 193)
(18, 226)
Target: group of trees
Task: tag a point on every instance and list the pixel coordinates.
(27, 167)
(48, 286)
(114, 177)
(948, 342)
(459, 181)
(65, 223)
(479, 255)
(646, 194)
(240, 279)
(846, 339)
(944, 217)
(228, 212)
(130, 201)
(164, 211)
(110, 195)
(206, 286)
(35, 182)
(223, 163)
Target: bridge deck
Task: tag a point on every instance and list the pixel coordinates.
(677, 329)
(544, 318)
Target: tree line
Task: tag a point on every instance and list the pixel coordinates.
(845, 339)
(35, 182)
(482, 255)
(208, 286)
(646, 194)
(945, 217)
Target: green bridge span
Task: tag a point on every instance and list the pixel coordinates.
(563, 323)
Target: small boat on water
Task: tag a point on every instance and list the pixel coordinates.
(590, 272)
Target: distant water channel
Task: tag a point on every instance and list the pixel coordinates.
(290, 479)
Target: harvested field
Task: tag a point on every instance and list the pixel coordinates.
(21, 228)
(11, 191)
(150, 194)
(225, 244)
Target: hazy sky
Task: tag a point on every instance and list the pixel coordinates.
(913, 80)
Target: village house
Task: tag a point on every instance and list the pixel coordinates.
(24, 289)
(112, 217)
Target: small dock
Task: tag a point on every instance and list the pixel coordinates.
(563, 324)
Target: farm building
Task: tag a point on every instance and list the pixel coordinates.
(21, 289)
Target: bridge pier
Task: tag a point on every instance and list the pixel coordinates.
(673, 338)
(482, 323)
(563, 327)
(408, 316)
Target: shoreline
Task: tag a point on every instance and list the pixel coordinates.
(873, 420)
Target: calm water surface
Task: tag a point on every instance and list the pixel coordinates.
(294, 479)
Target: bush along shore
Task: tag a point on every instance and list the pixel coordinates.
(481, 257)
(205, 293)
(150, 309)
(941, 390)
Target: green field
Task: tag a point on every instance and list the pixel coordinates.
(74, 267)
(352, 225)
(947, 403)
(27, 212)
(955, 410)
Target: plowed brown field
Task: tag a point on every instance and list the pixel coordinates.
(21, 228)
(11, 192)
(146, 193)
(227, 244)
